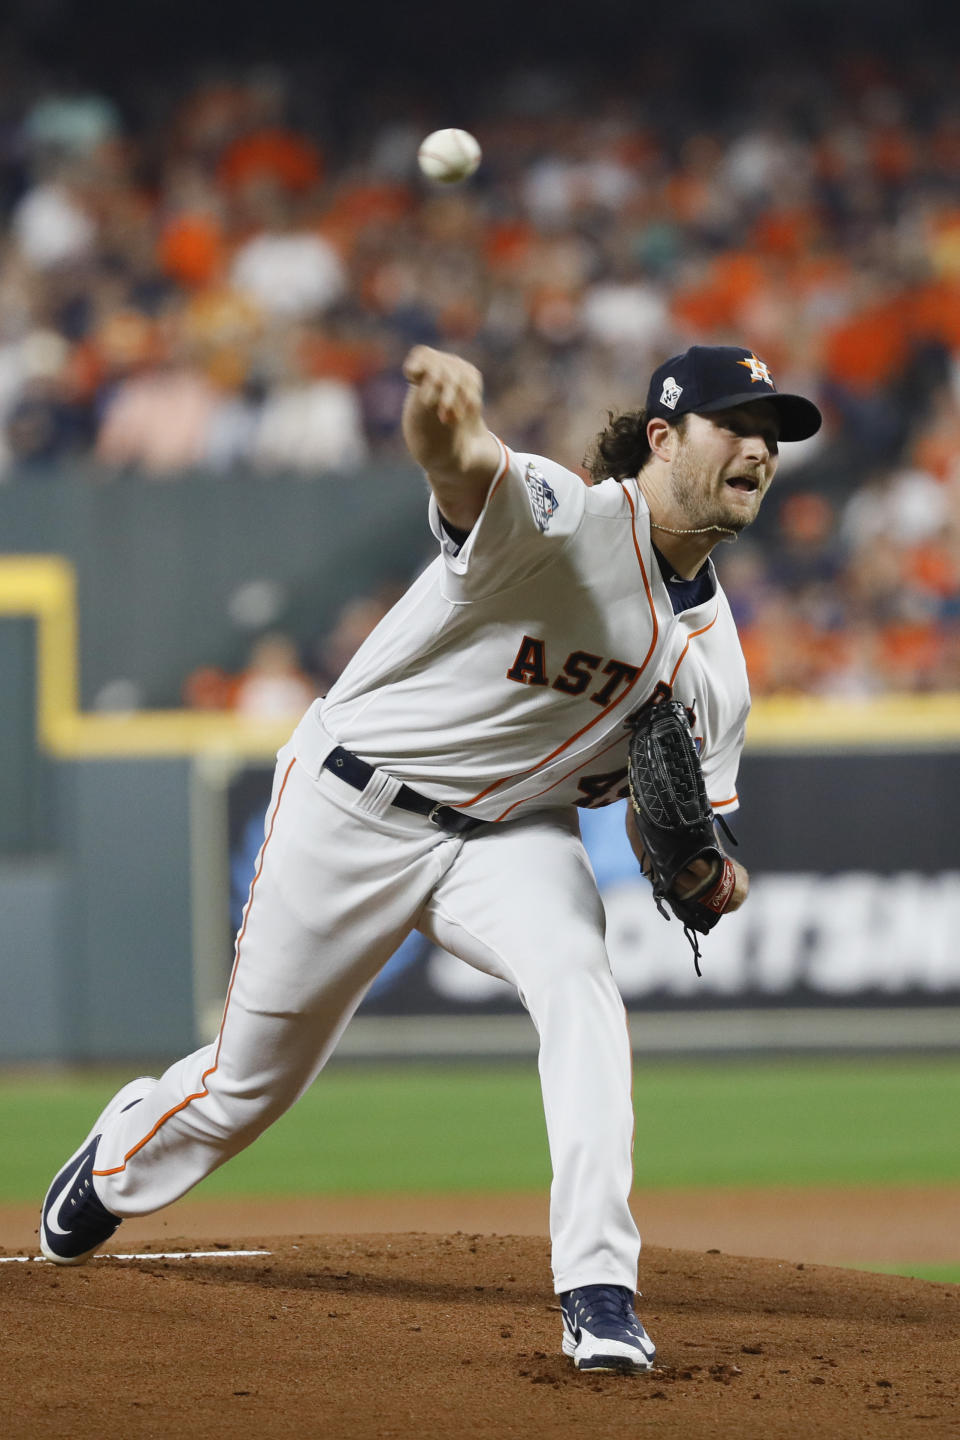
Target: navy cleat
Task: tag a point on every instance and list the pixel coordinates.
(74, 1221)
(601, 1331)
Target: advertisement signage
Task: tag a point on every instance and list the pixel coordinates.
(855, 897)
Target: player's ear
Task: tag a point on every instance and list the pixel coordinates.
(661, 437)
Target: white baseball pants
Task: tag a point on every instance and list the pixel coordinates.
(341, 879)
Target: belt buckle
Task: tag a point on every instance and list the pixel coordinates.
(432, 815)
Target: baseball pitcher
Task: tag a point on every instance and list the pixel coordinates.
(568, 645)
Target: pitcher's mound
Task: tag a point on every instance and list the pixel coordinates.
(435, 1336)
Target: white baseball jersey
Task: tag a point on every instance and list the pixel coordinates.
(501, 681)
(500, 684)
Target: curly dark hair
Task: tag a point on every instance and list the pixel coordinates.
(622, 450)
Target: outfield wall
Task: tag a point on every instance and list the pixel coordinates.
(158, 565)
(117, 944)
(122, 837)
(855, 898)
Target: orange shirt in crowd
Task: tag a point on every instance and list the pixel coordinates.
(191, 250)
(273, 154)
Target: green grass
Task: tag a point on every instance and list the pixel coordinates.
(472, 1128)
(946, 1274)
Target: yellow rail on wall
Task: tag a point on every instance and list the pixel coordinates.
(899, 722)
(44, 587)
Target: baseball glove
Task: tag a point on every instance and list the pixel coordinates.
(675, 821)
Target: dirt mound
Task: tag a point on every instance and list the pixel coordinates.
(448, 1335)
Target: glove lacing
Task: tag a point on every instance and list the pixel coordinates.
(688, 930)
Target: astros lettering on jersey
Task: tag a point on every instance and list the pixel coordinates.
(500, 683)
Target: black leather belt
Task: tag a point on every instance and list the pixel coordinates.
(358, 773)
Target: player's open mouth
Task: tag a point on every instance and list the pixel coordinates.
(744, 484)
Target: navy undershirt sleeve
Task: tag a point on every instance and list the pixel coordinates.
(458, 536)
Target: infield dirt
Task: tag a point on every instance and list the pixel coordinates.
(431, 1335)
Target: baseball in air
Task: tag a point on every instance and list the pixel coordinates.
(449, 156)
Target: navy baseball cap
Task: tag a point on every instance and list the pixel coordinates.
(715, 377)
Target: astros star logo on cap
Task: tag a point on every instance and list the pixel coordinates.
(706, 379)
(758, 370)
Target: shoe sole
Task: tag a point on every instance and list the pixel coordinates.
(612, 1364)
(130, 1093)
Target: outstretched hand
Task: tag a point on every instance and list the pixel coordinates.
(448, 386)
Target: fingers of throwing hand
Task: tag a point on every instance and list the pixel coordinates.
(455, 400)
(428, 391)
(416, 363)
(451, 387)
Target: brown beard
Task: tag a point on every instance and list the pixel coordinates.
(704, 512)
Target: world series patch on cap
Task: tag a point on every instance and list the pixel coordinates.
(707, 378)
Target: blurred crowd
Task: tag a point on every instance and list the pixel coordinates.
(280, 676)
(220, 278)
